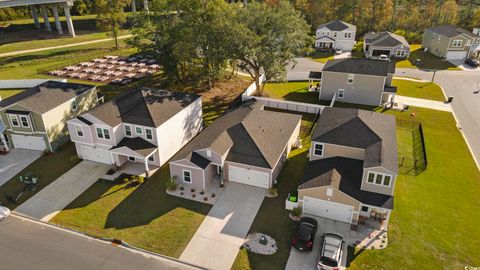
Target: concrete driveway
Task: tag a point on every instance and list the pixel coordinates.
(15, 161)
(56, 196)
(217, 241)
(308, 260)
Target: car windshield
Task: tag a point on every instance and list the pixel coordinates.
(304, 232)
(328, 262)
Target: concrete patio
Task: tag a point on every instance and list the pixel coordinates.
(15, 161)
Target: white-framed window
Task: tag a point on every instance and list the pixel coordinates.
(139, 130)
(335, 34)
(350, 78)
(209, 153)
(348, 35)
(365, 209)
(79, 131)
(341, 93)
(151, 158)
(329, 192)
(103, 133)
(457, 43)
(131, 159)
(24, 121)
(400, 53)
(468, 43)
(128, 130)
(379, 179)
(187, 176)
(74, 105)
(149, 134)
(14, 120)
(318, 149)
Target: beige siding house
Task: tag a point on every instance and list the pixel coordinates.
(353, 166)
(359, 81)
(385, 43)
(247, 145)
(335, 35)
(36, 118)
(449, 42)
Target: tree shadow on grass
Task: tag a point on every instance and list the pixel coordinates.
(303, 96)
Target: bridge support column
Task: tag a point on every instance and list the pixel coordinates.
(134, 6)
(58, 25)
(35, 16)
(68, 18)
(145, 6)
(45, 18)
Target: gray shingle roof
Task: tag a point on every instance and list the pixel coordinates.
(250, 135)
(199, 160)
(137, 144)
(46, 96)
(146, 107)
(337, 25)
(315, 75)
(450, 31)
(360, 66)
(345, 175)
(374, 132)
(385, 39)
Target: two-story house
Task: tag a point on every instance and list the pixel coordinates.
(358, 80)
(35, 119)
(449, 42)
(335, 35)
(385, 43)
(248, 145)
(142, 126)
(352, 168)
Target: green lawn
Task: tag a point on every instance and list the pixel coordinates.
(293, 91)
(424, 90)
(321, 57)
(144, 216)
(272, 218)
(46, 168)
(5, 93)
(429, 60)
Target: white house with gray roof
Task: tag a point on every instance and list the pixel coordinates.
(353, 166)
(248, 145)
(449, 42)
(141, 127)
(358, 80)
(385, 43)
(335, 35)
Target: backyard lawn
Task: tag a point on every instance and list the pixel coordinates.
(435, 221)
(144, 216)
(293, 91)
(429, 60)
(321, 57)
(5, 93)
(424, 90)
(46, 168)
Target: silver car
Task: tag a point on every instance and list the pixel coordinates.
(4, 212)
(331, 252)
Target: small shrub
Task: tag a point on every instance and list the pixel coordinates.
(182, 188)
(297, 211)
(205, 198)
(171, 184)
(202, 192)
(181, 193)
(46, 152)
(273, 191)
(74, 159)
(193, 195)
(213, 195)
(192, 190)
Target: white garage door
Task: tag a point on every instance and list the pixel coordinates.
(97, 155)
(331, 210)
(29, 142)
(452, 55)
(248, 177)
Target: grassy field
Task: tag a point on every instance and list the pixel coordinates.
(321, 57)
(46, 168)
(293, 91)
(5, 93)
(424, 90)
(429, 60)
(144, 216)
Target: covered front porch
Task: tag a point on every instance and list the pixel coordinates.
(4, 147)
(325, 43)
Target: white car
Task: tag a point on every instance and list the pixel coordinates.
(383, 57)
(4, 212)
(331, 252)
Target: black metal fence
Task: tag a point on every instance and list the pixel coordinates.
(412, 161)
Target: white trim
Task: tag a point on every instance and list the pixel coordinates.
(333, 202)
(125, 130)
(10, 117)
(456, 41)
(352, 77)
(187, 166)
(375, 178)
(313, 149)
(151, 133)
(190, 175)
(341, 91)
(136, 133)
(26, 118)
(129, 158)
(74, 105)
(81, 130)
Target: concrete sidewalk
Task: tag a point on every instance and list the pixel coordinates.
(424, 103)
(15, 161)
(56, 196)
(217, 241)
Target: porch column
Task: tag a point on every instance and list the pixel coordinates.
(45, 18)
(68, 18)
(58, 25)
(134, 6)
(35, 17)
(2, 138)
(145, 6)
(146, 164)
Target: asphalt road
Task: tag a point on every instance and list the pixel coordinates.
(26, 244)
(462, 85)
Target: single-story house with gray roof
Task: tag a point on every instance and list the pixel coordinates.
(385, 43)
(353, 166)
(247, 145)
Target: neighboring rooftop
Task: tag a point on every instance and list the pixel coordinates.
(385, 39)
(337, 25)
(374, 132)
(146, 107)
(315, 75)
(450, 31)
(46, 96)
(344, 174)
(137, 144)
(360, 66)
(248, 133)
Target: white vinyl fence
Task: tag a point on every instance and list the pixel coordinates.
(281, 104)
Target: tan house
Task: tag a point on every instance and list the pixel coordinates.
(449, 42)
(353, 166)
(248, 145)
(35, 119)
